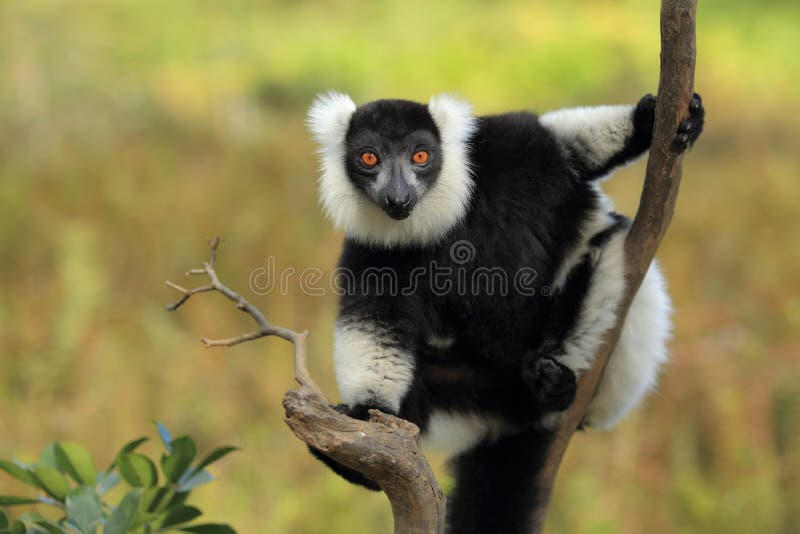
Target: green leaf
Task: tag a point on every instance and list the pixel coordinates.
(18, 527)
(108, 481)
(48, 457)
(144, 518)
(183, 452)
(123, 515)
(52, 482)
(194, 479)
(177, 498)
(179, 515)
(215, 455)
(50, 527)
(209, 528)
(13, 500)
(83, 507)
(166, 437)
(4, 522)
(137, 469)
(20, 473)
(77, 462)
(41, 522)
(156, 499)
(30, 528)
(128, 447)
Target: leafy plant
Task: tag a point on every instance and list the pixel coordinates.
(66, 478)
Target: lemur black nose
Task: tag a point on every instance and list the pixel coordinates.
(399, 200)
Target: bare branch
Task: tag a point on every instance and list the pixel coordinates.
(265, 328)
(652, 219)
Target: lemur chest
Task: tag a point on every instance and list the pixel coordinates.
(496, 292)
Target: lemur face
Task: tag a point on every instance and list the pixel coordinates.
(393, 154)
(394, 172)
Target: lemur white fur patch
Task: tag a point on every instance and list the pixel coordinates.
(369, 365)
(642, 348)
(452, 433)
(597, 132)
(439, 209)
(599, 309)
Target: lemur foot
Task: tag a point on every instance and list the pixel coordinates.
(692, 126)
(554, 384)
(359, 411)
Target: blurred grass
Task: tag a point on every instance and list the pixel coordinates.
(132, 130)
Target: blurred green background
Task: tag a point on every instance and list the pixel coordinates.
(132, 130)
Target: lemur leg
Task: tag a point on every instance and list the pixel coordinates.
(590, 293)
(494, 490)
(373, 370)
(554, 383)
(633, 366)
(598, 139)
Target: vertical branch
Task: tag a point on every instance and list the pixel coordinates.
(656, 206)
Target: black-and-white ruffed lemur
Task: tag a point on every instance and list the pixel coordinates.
(487, 266)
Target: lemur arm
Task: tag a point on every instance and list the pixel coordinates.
(553, 382)
(598, 139)
(373, 355)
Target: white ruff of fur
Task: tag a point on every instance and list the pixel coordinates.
(439, 210)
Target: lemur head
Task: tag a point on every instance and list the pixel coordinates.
(394, 172)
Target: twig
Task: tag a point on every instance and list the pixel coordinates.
(652, 219)
(265, 328)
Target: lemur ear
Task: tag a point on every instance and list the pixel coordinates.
(329, 117)
(453, 117)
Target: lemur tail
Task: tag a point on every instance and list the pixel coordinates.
(495, 485)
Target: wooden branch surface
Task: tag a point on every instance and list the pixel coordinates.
(656, 206)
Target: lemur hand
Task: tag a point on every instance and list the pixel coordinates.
(553, 384)
(688, 130)
(692, 126)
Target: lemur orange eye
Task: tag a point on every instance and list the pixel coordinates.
(369, 159)
(420, 157)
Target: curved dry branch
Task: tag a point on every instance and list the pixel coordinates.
(656, 206)
(385, 448)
